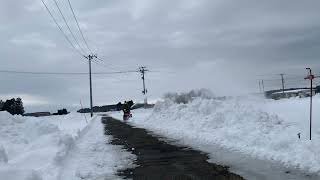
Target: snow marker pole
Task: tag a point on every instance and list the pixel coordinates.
(310, 77)
(260, 86)
(282, 82)
(83, 113)
(310, 106)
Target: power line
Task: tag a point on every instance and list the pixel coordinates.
(60, 28)
(65, 73)
(103, 63)
(109, 64)
(65, 21)
(75, 18)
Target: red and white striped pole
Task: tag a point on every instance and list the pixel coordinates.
(310, 77)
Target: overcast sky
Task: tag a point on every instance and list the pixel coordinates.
(221, 45)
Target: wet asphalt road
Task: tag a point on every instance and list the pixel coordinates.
(158, 160)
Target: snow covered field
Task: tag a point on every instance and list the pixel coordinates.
(253, 126)
(57, 147)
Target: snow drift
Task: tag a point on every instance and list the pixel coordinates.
(46, 148)
(265, 129)
(31, 148)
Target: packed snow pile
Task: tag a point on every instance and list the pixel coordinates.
(265, 129)
(31, 148)
(40, 148)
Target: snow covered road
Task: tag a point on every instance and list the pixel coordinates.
(159, 160)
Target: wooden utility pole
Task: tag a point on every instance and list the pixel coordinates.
(143, 70)
(90, 57)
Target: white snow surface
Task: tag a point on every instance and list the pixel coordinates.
(253, 126)
(57, 148)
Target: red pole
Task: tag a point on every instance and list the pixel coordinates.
(310, 107)
(310, 77)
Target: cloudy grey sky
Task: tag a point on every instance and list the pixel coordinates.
(221, 45)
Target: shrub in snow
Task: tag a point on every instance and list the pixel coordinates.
(185, 98)
(3, 156)
(13, 106)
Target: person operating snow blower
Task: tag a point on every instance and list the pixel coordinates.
(126, 111)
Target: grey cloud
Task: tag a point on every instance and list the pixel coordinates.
(215, 44)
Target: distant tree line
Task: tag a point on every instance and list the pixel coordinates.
(106, 108)
(40, 114)
(13, 106)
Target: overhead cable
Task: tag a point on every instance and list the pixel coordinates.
(65, 21)
(60, 28)
(75, 18)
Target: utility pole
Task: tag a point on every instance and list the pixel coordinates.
(143, 70)
(262, 86)
(282, 80)
(310, 77)
(90, 57)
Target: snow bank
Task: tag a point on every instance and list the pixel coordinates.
(71, 124)
(32, 148)
(68, 147)
(265, 129)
